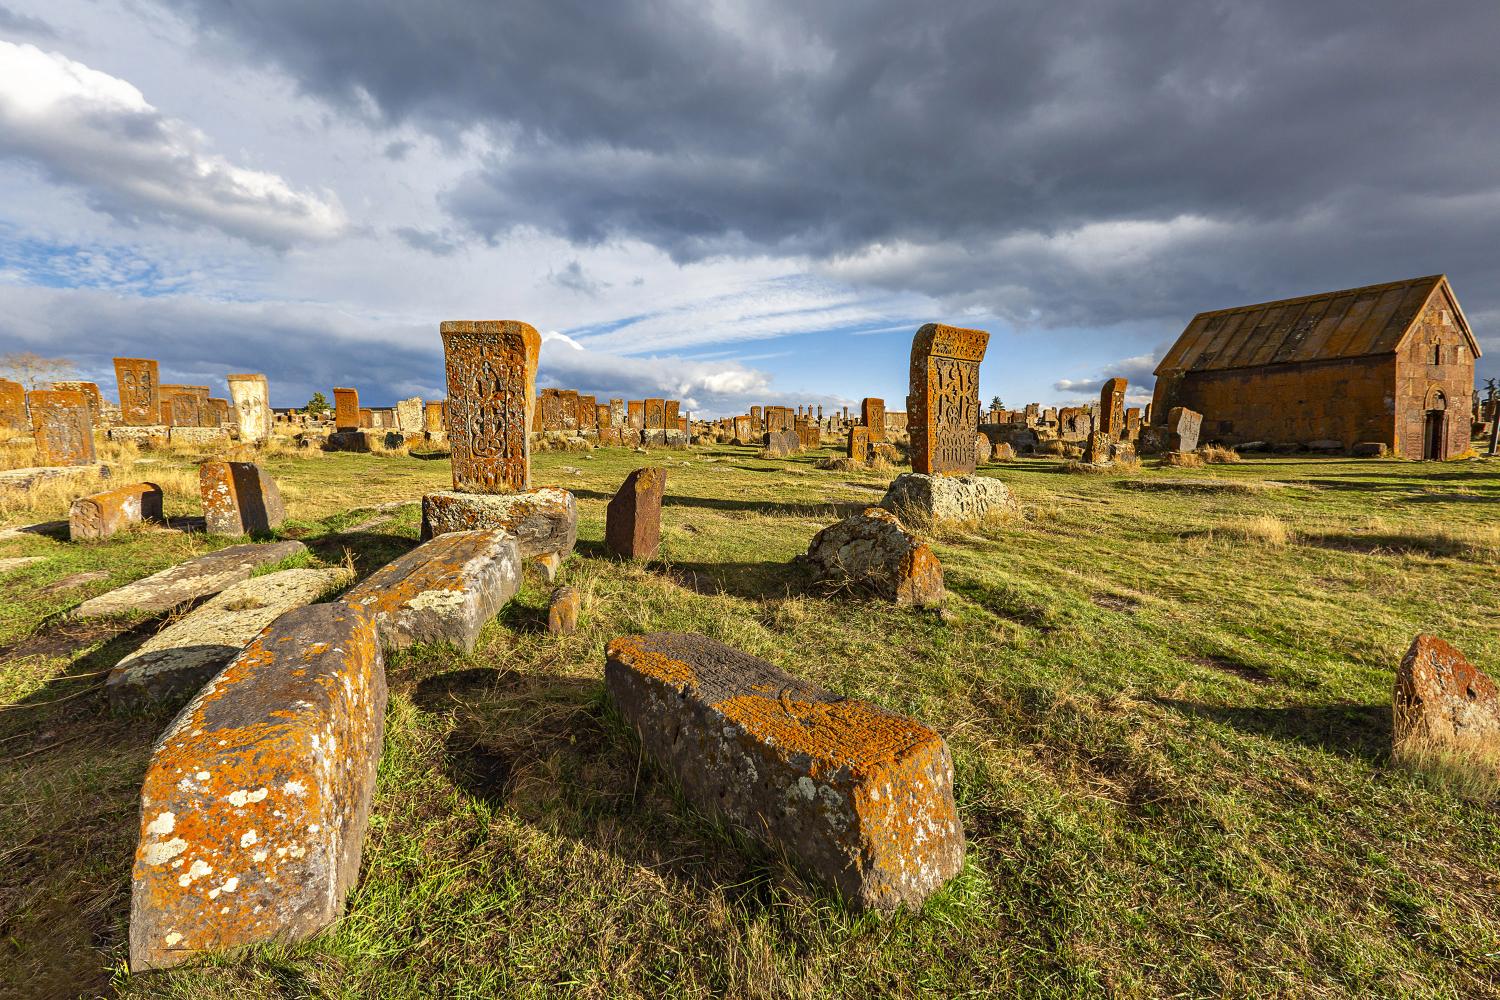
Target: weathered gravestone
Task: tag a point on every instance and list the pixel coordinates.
(63, 429)
(432, 419)
(491, 388)
(177, 661)
(780, 444)
(198, 577)
(943, 407)
(442, 591)
(91, 394)
(1112, 408)
(618, 416)
(346, 410)
(102, 514)
(139, 383)
(1442, 705)
(632, 522)
(588, 414)
(636, 413)
(13, 406)
(656, 414)
(252, 406)
(982, 449)
(859, 797)
(871, 552)
(220, 413)
(1182, 429)
(859, 444)
(409, 415)
(872, 415)
(256, 801)
(562, 611)
(239, 498)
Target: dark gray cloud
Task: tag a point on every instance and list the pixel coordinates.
(15, 23)
(439, 244)
(575, 279)
(1052, 163)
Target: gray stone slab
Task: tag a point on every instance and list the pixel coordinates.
(201, 576)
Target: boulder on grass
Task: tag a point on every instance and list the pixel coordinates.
(239, 498)
(542, 520)
(257, 797)
(871, 552)
(859, 797)
(953, 500)
(1443, 704)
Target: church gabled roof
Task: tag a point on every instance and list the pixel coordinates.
(1352, 323)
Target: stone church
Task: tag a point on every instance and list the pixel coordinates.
(1389, 363)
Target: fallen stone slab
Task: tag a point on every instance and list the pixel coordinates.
(871, 552)
(181, 658)
(632, 521)
(860, 797)
(239, 498)
(444, 590)
(916, 497)
(542, 520)
(199, 436)
(201, 576)
(10, 564)
(256, 801)
(1444, 704)
(100, 515)
(75, 580)
(23, 480)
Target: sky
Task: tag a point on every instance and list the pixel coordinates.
(729, 203)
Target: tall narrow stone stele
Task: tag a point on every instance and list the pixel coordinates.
(346, 409)
(872, 415)
(1112, 408)
(943, 407)
(491, 398)
(139, 380)
(252, 406)
(62, 426)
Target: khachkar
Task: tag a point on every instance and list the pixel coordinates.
(943, 407)
(139, 381)
(491, 402)
(63, 428)
(252, 406)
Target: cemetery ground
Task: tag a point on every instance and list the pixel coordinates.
(1167, 694)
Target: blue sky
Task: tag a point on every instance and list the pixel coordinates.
(729, 203)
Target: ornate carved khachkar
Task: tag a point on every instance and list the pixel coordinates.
(943, 407)
(62, 426)
(872, 415)
(1112, 408)
(346, 409)
(491, 399)
(140, 391)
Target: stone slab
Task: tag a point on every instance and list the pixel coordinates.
(257, 798)
(100, 515)
(239, 498)
(201, 576)
(632, 522)
(543, 520)
(174, 663)
(145, 436)
(859, 797)
(948, 499)
(444, 590)
(199, 436)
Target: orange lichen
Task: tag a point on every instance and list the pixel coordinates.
(664, 668)
(837, 734)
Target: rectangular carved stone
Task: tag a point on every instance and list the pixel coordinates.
(637, 414)
(139, 383)
(256, 801)
(198, 577)
(656, 414)
(602, 417)
(91, 393)
(670, 418)
(62, 426)
(102, 514)
(872, 415)
(543, 520)
(568, 401)
(617, 414)
(444, 590)
(859, 797)
(859, 444)
(1182, 429)
(252, 406)
(632, 521)
(432, 418)
(239, 498)
(1112, 408)
(13, 406)
(943, 407)
(588, 414)
(346, 409)
(491, 396)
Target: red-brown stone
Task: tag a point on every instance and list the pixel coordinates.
(943, 407)
(633, 519)
(491, 396)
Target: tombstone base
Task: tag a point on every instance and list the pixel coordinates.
(920, 498)
(144, 436)
(23, 480)
(543, 520)
(199, 435)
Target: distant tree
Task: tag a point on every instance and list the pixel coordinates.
(317, 406)
(997, 404)
(34, 371)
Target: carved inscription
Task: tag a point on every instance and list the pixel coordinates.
(656, 414)
(1112, 408)
(491, 397)
(64, 432)
(943, 406)
(139, 383)
(346, 409)
(872, 415)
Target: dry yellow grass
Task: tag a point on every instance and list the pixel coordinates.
(1264, 529)
(1182, 460)
(1214, 454)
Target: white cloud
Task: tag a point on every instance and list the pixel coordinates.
(91, 130)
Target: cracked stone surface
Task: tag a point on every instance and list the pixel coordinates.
(201, 576)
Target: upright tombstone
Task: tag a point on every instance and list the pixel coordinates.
(617, 413)
(637, 414)
(346, 409)
(859, 444)
(202, 408)
(367, 418)
(409, 415)
(943, 407)
(569, 403)
(1112, 408)
(432, 418)
(491, 398)
(872, 415)
(670, 418)
(756, 426)
(220, 410)
(252, 406)
(12, 406)
(656, 414)
(139, 383)
(1182, 429)
(588, 414)
(64, 432)
(179, 406)
(632, 521)
(239, 498)
(91, 393)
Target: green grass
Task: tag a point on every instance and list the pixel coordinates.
(1169, 719)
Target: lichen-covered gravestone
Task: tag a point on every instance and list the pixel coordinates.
(239, 498)
(346, 410)
(252, 406)
(632, 522)
(859, 444)
(63, 428)
(871, 552)
(859, 797)
(943, 406)
(1112, 408)
(1444, 705)
(12, 406)
(872, 415)
(100, 515)
(139, 384)
(1183, 426)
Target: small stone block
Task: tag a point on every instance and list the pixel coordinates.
(562, 611)
(859, 797)
(444, 590)
(200, 576)
(256, 801)
(102, 514)
(632, 523)
(543, 520)
(239, 498)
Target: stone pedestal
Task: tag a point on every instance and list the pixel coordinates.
(916, 497)
(544, 521)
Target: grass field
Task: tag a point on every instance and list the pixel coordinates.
(1167, 696)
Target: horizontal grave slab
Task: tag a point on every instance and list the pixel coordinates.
(256, 801)
(201, 576)
(860, 797)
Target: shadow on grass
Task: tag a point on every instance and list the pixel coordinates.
(834, 509)
(1362, 731)
(1389, 543)
(369, 550)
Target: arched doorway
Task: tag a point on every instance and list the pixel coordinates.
(1434, 427)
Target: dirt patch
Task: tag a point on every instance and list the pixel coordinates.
(68, 637)
(1244, 671)
(1116, 602)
